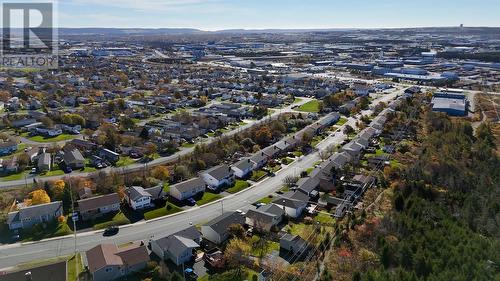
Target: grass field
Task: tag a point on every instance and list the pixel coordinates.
(160, 212)
(297, 100)
(73, 263)
(207, 198)
(239, 185)
(13, 177)
(310, 106)
(61, 137)
(324, 218)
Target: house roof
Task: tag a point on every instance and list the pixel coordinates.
(221, 223)
(266, 213)
(98, 201)
(101, 256)
(109, 254)
(289, 202)
(136, 192)
(219, 172)
(189, 184)
(178, 242)
(51, 272)
(34, 211)
(243, 164)
(258, 157)
(73, 155)
(308, 184)
(44, 159)
(133, 254)
(156, 191)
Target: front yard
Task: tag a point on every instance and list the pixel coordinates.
(118, 219)
(239, 185)
(207, 198)
(166, 210)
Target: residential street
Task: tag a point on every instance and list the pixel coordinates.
(13, 254)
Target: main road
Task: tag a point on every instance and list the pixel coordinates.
(14, 254)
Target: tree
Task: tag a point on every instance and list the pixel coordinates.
(348, 130)
(263, 135)
(161, 173)
(236, 230)
(236, 254)
(58, 189)
(38, 197)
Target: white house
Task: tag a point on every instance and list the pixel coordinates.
(218, 176)
(293, 204)
(137, 197)
(242, 168)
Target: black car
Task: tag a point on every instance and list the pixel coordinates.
(110, 231)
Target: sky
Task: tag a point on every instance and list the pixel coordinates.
(284, 14)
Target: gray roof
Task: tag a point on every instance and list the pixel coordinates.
(243, 164)
(156, 191)
(44, 159)
(221, 223)
(34, 211)
(308, 184)
(189, 184)
(258, 157)
(136, 192)
(178, 242)
(73, 155)
(272, 209)
(98, 201)
(219, 172)
(289, 202)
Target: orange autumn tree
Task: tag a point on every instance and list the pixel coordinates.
(38, 197)
(58, 189)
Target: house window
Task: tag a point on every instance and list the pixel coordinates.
(109, 269)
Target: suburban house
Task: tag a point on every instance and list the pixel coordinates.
(294, 244)
(179, 246)
(242, 168)
(217, 230)
(353, 148)
(156, 192)
(291, 204)
(109, 155)
(137, 198)
(265, 217)
(48, 272)
(308, 186)
(108, 262)
(218, 176)
(44, 162)
(94, 207)
(74, 159)
(7, 147)
(26, 217)
(187, 189)
(258, 160)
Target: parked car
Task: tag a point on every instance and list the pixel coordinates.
(191, 202)
(110, 231)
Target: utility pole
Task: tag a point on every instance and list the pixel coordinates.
(73, 218)
(222, 203)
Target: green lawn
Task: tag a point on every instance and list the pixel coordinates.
(125, 161)
(265, 200)
(73, 263)
(56, 172)
(61, 137)
(37, 232)
(163, 211)
(341, 121)
(324, 218)
(166, 187)
(274, 168)
(298, 153)
(297, 100)
(310, 106)
(207, 198)
(239, 185)
(286, 160)
(257, 175)
(187, 145)
(269, 248)
(118, 219)
(309, 170)
(13, 177)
